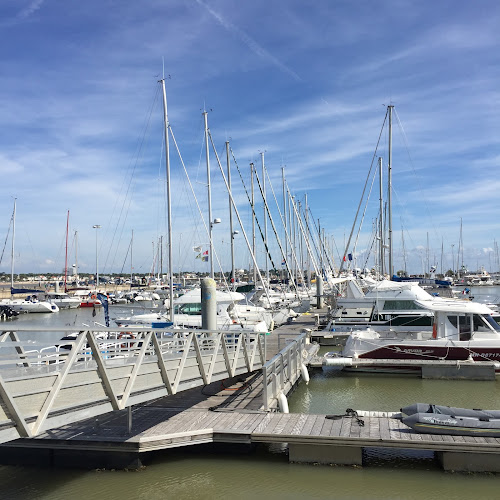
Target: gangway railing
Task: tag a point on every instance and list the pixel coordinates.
(282, 371)
(97, 370)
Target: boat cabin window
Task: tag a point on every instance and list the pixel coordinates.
(491, 322)
(400, 305)
(470, 323)
(463, 325)
(191, 309)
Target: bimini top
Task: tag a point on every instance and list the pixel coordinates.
(454, 305)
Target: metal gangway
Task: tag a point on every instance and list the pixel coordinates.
(97, 370)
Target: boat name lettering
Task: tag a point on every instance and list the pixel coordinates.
(413, 351)
(432, 420)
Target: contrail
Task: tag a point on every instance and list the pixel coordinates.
(250, 42)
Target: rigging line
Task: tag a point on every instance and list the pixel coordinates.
(436, 229)
(316, 227)
(301, 227)
(233, 203)
(237, 215)
(265, 242)
(7, 236)
(277, 238)
(126, 256)
(362, 194)
(252, 208)
(372, 240)
(196, 200)
(364, 212)
(287, 237)
(130, 183)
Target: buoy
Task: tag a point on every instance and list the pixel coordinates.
(282, 403)
(305, 373)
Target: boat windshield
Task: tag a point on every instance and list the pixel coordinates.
(491, 322)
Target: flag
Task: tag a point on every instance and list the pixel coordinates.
(198, 256)
(344, 258)
(283, 263)
(197, 249)
(349, 256)
(204, 258)
(205, 252)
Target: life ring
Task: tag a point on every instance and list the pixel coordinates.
(128, 336)
(93, 296)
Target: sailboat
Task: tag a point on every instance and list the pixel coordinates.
(30, 303)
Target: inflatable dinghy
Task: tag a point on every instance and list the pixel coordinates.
(439, 423)
(450, 410)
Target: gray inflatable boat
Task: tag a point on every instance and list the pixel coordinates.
(450, 410)
(438, 423)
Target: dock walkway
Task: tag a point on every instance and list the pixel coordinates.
(230, 412)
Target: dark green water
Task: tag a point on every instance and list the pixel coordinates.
(266, 473)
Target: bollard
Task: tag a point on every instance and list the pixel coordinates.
(208, 304)
(319, 292)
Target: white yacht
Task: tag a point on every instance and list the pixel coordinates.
(30, 304)
(462, 330)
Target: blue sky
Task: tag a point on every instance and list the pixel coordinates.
(305, 82)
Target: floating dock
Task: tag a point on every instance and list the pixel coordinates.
(232, 412)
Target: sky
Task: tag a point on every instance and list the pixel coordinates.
(305, 83)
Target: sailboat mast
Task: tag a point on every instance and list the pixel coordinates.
(389, 194)
(76, 259)
(66, 258)
(169, 202)
(265, 214)
(12, 248)
(232, 233)
(461, 251)
(284, 218)
(253, 223)
(381, 221)
(209, 197)
(131, 258)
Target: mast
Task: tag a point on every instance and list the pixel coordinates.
(389, 193)
(265, 214)
(427, 263)
(253, 224)
(66, 258)
(381, 221)
(306, 220)
(284, 218)
(169, 203)
(131, 259)
(12, 247)
(460, 250)
(233, 278)
(211, 223)
(76, 258)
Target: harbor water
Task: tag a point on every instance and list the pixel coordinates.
(265, 472)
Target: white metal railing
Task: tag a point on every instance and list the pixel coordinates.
(281, 372)
(97, 371)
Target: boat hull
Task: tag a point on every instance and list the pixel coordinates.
(435, 423)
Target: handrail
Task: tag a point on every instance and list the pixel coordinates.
(102, 369)
(283, 370)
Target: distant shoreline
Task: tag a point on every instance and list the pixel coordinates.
(49, 287)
